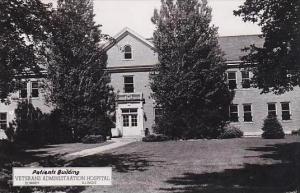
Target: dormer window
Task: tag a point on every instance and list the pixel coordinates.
(127, 52)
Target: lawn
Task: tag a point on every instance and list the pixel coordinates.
(244, 165)
(229, 166)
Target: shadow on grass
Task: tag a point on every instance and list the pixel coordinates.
(119, 163)
(280, 177)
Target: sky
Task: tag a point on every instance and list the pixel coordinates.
(114, 15)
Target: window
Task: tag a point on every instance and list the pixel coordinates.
(233, 113)
(127, 52)
(128, 84)
(157, 114)
(134, 120)
(272, 109)
(34, 89)
(125, 120)
(286, 114)
(231, 78)
(130, 117)
(3, 120)
(247, 112)
(128, 111)
(23, 90)
(245, 79)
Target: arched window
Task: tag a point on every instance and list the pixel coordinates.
(127, 52)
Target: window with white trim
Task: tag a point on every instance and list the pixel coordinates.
(285, 111)
(128, 84)
(247, 112)
(234, 113)
(130, 117)
(127, 52)
(3, 121)
(272, 109)
(34, 89)
(231, 78)
(245, 79)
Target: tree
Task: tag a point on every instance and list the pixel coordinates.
(276, 65)
(23, 27)
(190, 82)
(272, 129)
(78, 80)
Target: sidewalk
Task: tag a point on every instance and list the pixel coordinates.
(117, 142)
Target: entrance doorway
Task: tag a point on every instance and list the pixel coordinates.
(130, 122)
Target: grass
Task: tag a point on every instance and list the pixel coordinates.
(223, 166)
(229, 166)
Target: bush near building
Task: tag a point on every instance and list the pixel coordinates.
(32, 127)
(272, 129)
(155, 138)
(231, 132)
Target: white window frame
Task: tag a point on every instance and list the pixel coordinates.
(243, 79)
(4, 121)
(131, 52)
(290, 113)
(276, 113)
(248, 104)
(126, 76)
(31, 88)
(237, 112)
(228, 79)
(129, 112)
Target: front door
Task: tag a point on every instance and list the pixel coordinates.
(130, 122)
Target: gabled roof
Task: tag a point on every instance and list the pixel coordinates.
(127, 31)
(232, 45)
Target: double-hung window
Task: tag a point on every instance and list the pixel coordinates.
(247, 112)
(231, 78)
(128, 84)
(234, 113)
(127, 52)
(285, 111)
(272, 109)
(34, 89)
(3, 121)
(245, 79)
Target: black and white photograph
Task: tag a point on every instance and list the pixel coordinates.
(149, 96)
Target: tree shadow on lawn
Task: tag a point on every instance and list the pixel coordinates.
(119, 163)
(280, 177)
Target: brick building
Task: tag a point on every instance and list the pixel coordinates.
(130, 62)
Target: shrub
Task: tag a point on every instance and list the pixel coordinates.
(272, 129)
(93, 139)
(231, 131)
(296, 132)
(155, 138)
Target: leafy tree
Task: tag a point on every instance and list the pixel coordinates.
(276, 65)
(190, 82)
(23, 27)
(272, 129)
(79, 82)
